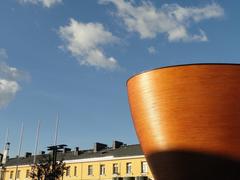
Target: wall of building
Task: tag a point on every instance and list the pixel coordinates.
(82, 166)
(10, 172)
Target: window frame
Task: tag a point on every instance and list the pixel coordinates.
(144, 167)
(128, 168)
(102, 169)
(18, 174)
(68, 171)
(11, 174)
(115, 168)
(75, 171)
(27, 173)
(90, 170)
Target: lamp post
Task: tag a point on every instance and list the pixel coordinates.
(55, 149)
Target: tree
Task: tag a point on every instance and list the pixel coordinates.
(47, 169)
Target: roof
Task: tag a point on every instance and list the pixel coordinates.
(123, 151)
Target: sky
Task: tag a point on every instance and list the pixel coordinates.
(73, 57)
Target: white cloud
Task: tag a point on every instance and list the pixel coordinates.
(171, 19)
(45, 3)
(9, 77)
(8, 89)
(85, 41)
(10, 73)
(151, 50)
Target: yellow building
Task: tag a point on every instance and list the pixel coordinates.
(125, 162)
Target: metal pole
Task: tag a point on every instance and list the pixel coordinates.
(56, 130)
(36, 143)
(20, 140)
(19, 149)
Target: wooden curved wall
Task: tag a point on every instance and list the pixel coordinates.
(191, 108)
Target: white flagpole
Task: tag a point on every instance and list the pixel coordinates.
(19, 149)
(56, 130)
(36, 143)
(20, 140)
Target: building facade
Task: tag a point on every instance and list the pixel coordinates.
(125, 162)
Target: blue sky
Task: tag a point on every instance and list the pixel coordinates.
(74, 57)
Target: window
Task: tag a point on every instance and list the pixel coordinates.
(115, 168)
(27, 173)
(18, 174)
(11, 174)
(129, 168)
(68, 171)
(144, 167)
(90, 170)
(102, 169)
(75, 170)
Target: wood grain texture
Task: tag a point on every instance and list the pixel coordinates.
(193, 107)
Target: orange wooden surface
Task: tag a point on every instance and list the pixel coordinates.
(190, 107)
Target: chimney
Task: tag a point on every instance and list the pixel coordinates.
(5, 153)
(99, 146)
(65, 150)
(28, 154)
(76, 151)
(42, 152)
(117, 144)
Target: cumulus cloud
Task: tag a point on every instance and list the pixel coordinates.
(8, 89)
(45, 3)
(9, 77)
(172, 20)
(85, 42)
(151, 50)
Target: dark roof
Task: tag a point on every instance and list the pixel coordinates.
(125, 150)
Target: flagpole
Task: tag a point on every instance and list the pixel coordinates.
(19, 149)
(56, 130)
(36, 143)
